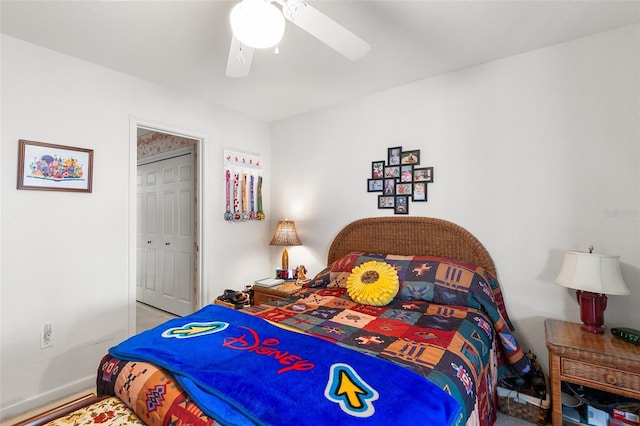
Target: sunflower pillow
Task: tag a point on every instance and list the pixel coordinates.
(373, 283)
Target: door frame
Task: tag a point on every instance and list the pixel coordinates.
(134, 123)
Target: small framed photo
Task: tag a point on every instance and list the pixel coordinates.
(48, 167)
(389, 186)
(404, 189)
(419, 191)
(392, 171)
(386, 201)
(401, 204)
(374, 185)
(423, 174)
(393, 155)
(406, 173)
(377, 169)
(410, 157)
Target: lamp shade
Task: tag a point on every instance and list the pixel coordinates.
(592, 272)
(285, 234)
(257, 23)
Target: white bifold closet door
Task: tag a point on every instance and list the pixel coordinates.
(165, 261)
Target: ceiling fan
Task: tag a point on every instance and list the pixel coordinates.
(260, 24)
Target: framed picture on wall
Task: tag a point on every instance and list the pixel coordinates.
(401, 204)
(419, 191)
(423, 174)
(392, 171)
(410, 157)
(406, 173)
(393, 155)
(389, 186)
(386, 201)
(48, 167)
(374, 185)
(377, 169)
(404, 189)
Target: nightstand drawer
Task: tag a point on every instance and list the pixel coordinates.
(607, 376)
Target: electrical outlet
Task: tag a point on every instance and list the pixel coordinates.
(46, 337)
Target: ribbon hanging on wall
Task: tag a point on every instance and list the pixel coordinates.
(243, 186)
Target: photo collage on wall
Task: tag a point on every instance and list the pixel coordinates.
(399, 179)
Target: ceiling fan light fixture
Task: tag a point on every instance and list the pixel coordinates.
(257, 23)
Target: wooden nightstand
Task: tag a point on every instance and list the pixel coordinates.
(599, 361)
(263, 294)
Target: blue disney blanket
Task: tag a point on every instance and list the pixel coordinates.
(240, 370)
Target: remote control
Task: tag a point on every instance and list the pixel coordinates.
(627, 334)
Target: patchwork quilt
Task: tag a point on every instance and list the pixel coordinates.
(447, 324)
(453, 346)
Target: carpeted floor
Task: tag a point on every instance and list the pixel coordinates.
(504, 420)
(148, 317)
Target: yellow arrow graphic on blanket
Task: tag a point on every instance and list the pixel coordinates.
(350, 390)
(346, 388)
(195, 329)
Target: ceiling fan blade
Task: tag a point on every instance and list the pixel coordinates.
(325, 29)
(239, 61)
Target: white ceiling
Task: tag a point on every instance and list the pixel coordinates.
(183, 45)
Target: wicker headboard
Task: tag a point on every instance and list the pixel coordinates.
(410, 235)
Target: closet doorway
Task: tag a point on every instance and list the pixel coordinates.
(166, 221)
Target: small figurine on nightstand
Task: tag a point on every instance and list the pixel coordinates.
(301, 272)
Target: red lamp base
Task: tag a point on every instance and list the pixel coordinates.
(592, 306)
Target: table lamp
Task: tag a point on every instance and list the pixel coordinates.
(285, 235)
(593, 276)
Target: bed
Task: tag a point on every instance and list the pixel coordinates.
(433, 353)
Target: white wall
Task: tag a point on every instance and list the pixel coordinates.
(534, 154)
(65, 257)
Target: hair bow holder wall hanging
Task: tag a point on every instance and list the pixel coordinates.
(243, 187)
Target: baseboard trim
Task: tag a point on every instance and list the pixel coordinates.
(61, 410)
(17, 411)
